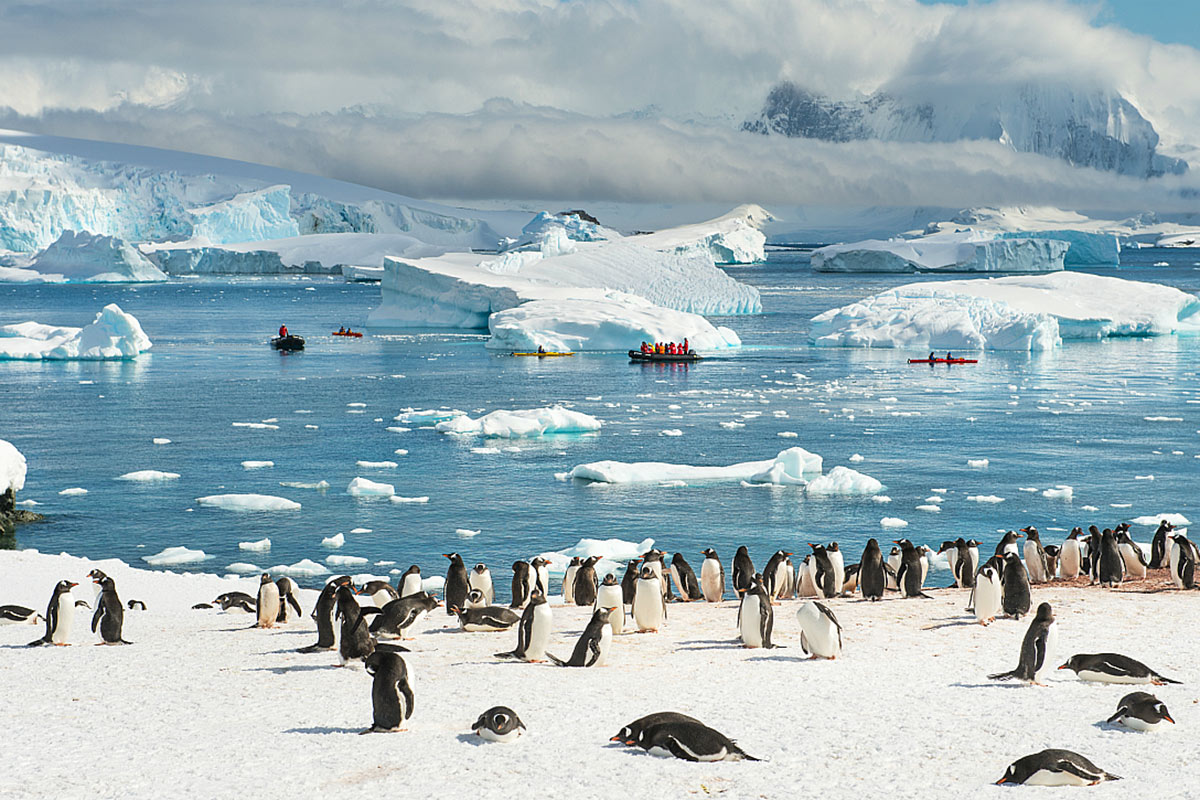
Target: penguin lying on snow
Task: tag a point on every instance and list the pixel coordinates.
(498, 724)
(391, 693)
(398, 616)
(19, 614)
(689, 740)
(135, 605)
(1113, 668)
(235, 601)
(592, 647)
(629, 734)
(1141, 711)
(1036, 649)
(1055, 768)
(489, 618)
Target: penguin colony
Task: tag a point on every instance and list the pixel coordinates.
(998, 587)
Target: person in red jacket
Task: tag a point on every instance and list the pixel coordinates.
(685, 346)
(283, 331)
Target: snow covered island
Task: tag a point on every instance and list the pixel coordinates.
(1017, 313)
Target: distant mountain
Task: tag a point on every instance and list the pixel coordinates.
(1096, 129)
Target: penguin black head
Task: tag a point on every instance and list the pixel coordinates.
(816, 548)
(574, 561)
(107, 583)
(96, 575)
(948, 545)
(742, 551)
(709, 553)
(264, 578)
(833, 547)
(65, 586)
(539, 562)
(480, 568)
(601, 614)
(474, 596)
(609, 580)
(455, 558)
(646, 573)
(1044, 613)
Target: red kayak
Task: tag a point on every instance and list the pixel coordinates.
(943, 361)
(353, 334)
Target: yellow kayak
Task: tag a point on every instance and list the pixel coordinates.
(544, 355)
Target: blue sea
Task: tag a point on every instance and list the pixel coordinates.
(1117, 420)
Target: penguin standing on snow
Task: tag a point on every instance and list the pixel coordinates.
(533, 631)
(964, 564)
(1035, 556)
(457, 583)
(756, 618)
(410, 582)
(712, 577)
(910, 577)
(654, 560)
(1037, 649)
(1141, 711)
(60, 613)
(872, 578)
(568, 585)
(1015, 592)
(322, 613)
(839, 564)
(685, 579)
(610, 596)
(287, 597)
(1070, 557)
(268, 602)
(820, 567)
(110, 614)
(774, 580)
(1160, 545)
(743, 571)
(951, 550)
(498, 724)
(1008, 544)
(480, 578)
(541, 575)
(821, 633)
(1052, 555)
(893, 567)
(585, 582)
(1132, 557)
(629, 581)
(391, 693)
(649, 603)
(988, 592)
(1183, 560)
(355, 642)
(592, 648)
(1055, 768)
(520, 585)
(1112, 566)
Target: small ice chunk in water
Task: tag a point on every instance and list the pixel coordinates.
(881, 498)
(1060, 492)
(361, 487)
(1088, 508)
(1030, 489)
(159, 440)
(261, 426)
(977, 463)
(893, 522)
(398, 499)
(671, 432)
(176, 555)
(319, 485)
(262, 545)
(361, 530)
(248, 502)
(346, 561)
(257, 464)
(930, 508)
(312, 427)
(305, 568)
(1178, 520)
(1143, 477)
(787, 434)
(400, 452)
(985, 498)
(485, 451)
(466, 533)
(148, 475)
(75, 492)
(854, 459)
(334, 541)
(242, 568)
(397, 429)
(376, 464)
(732, 425)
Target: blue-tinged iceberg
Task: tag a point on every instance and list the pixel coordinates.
(82, 258)
(315, 254)
(953, 252)
(113, 335)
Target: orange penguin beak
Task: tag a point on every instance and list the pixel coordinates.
(614, 738)
(445, 555)
(1167, 717)
(1000, 782)
(1064, 666)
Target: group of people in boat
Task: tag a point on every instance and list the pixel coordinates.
(344, 331)
(666, 348)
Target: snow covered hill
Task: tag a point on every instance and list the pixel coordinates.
(1098, 129)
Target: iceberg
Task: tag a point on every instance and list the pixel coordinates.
(173, 556)
(261, 214)
(357, 256)
(259, 546)
(90, 258)
(791, 466)
(12, 468)
(1178, 520)
(734, 238)
(503, 424)
(248, 502)
(113, 335)
(305, 568)
(600, 321)
(845, 482)
(1016, 313)
(957, 252)
(361, 487)
(148, 476)
(613, 553)
(1084, 248)
(577, 226)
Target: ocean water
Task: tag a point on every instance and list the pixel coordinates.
(1118, 421)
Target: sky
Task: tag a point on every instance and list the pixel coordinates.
(615, 100)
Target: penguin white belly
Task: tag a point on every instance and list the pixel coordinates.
(657, 568)
(1069, 559)
(542, 576)
(1033, 563)
(1139, 724)
(647, 604)
(1174, 562)
(66, 615)
(781, 580)
(987, 599)
(382, 598)
(568, 586)
(1051, 648)
(411, 585)
(479, 602)
(539, 637)
(490, 735)
(811, 570)
(610, 597)
(819, 634)
(1133, 565)
(1104, 677)
(710, 580)
(483, 583)
(606, 634)
(952, 562)
(1044, 777)
(268, 605)
(924, 570)
(839, 567)
(807, 587)
(749, 619)
(894, 563)
(530, 582)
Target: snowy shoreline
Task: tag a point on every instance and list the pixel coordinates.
(199, 700)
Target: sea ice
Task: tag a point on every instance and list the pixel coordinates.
(305, 568)
(1178, 520)
(376, 464)
(94, 258)
(257, 464)
(260, 546)
(318, 485)
(112, 335)
(944, 252)
(1061, 492)
(248, 502)
(334, 541)
(844, 481)
(173, 556)
(977, 463)
(361, 487)
(346, 561)
(985, 498)
(522, 423)
(790, 466)
(159, 440)
(74, 492)
(892, 522)
(398, 499)
(148, 475)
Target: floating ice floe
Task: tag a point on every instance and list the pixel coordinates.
(259, 426)
(148, 476)
(1178, 520)
(930, 508)
(467, 533)
(613, 553)
(522, 423)
(318, 485)
(855, 459)
(985, 498)
(334, 541)
(360, 530)
(257, 464)
(346, 561)
(400, 452)
(112, 335)
(1017, 313)
(670, 432)
(160, 440)
(977, 463)
(376, 464)
(173, 556)
(844, 481)
(892, 522)
(243, 568)
(398, 499)
(260, 546)
(1060, 492)
(790, 466)
(305, 568)
(427, 417)
(248, 502)
(361, 487)
(76, 491)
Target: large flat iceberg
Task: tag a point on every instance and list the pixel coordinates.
(1017, 313)
(953, 252)
(113, 335)
(521, 423)
(249, 502)
(314, 254)
(793, 466)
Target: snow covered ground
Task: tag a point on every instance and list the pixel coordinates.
(208, 707)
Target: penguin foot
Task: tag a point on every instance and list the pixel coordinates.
(62, 644)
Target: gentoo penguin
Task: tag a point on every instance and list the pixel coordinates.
(354, 641)
(475, 599)
(820, 567)
(872, 578)
(568, 586)
(1035, 556)
(951, 550)
(610, 596)
(391, 692)
(1008, 544)
(410, 581)
(457, 583)
(135, 605)
(268, 601)
(97, 576)
(322, 613)
(487, 619)
(690, 741)
(520, 585)
(712, 577)
(398, 616)
(541, 574)
(592, 648)
(1094, 546)
(585, 582)
(893, 567)
(851, 584)
(480, 577)
(987, 593)
(839, 564)
(653, 559)
(1183, 560)
(820, 631)
(629, 734)
(1053, 552)
(1070, 557)
(743, 570)
(1112, 566)
(629, 581)
(1015, 593)
(1141, 711)
(380, 592)
(964, 564)
(1160, 545)
(685, 579)
(1132, 556)
(804, 578)
(60, 613)
(498, 724)
(774, 580)
(1113, 668)
(110, 614)
(1037, 649)
(19, 615)
(287, 598)
(533, 631)
(910, 577)
(236, 601)
(756, 618)
(649, 604)
(1055, 768)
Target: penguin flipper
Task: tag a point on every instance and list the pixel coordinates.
(1121, 711)
(555, 660)
(38, 642)
(1072, 768)
(294, 603)
(1004, 676)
